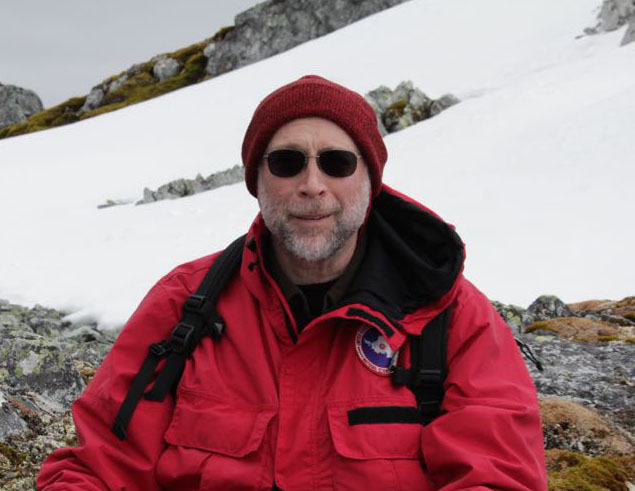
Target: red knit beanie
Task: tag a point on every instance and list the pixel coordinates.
(313, 96)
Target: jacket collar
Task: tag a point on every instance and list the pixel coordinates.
(408, 274)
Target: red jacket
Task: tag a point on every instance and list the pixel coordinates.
(268, 403)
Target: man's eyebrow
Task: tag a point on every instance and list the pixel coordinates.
(290, 146)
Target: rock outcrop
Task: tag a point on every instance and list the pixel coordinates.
(17, 104)
(406, 105)
(269, 28)
(180, 188)
(275, 26)
(613, 15)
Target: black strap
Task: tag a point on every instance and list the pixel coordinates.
(427, 367)
(383, 415)
(198, 319)
(529, 354)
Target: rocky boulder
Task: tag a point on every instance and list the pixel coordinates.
(165, 67)
(17, 104)
(274, 26)
(45, 362)
(180, 188)
(571, 426)
(582, 330)
(629, 35)
(613, 15)
(406, 105)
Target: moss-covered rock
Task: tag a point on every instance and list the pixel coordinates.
(571, 426)
(64, 113)
(137, 84)
(581, 329)
(571, 471)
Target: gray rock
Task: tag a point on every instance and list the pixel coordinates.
(83, 334)
(404, 106)
(33, 363)
(548, 307)
(165, 68)
(275, 26)
(615, 13)
(17, 104)
(601, 376)
(443, 103)
(516, 317)
(10, 421)
(113, 202)
(180, 188)
(93, 100)
(208, 52)
(117, 83)
(629, 35)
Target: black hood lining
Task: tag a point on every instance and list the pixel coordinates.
(412, 258)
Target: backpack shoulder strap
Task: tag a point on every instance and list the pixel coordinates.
(199, 318)
(428, 367)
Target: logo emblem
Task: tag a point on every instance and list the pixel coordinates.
(374, 351)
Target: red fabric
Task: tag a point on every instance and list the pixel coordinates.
(313, 96)
(255, 407)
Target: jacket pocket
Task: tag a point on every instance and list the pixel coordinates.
(204, 422)
(214, 444)
(377, 446)
(371, 431)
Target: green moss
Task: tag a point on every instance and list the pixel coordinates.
(577, 472)
(398, 107)
(630, 340)
(12, 455)
(222, 32)
(59, 115)
(606, 339)
(136, 88)
(144, 86)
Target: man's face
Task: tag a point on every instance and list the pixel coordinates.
(313, 215)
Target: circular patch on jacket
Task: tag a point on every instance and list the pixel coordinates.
(374, 351)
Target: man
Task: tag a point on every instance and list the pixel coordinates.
(338, 273)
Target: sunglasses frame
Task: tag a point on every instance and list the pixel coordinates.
(317, 160)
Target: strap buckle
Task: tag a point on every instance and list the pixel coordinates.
(194, 303)
(181, 337)
(160, 349)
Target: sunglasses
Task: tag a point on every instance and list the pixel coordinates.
(288, 162)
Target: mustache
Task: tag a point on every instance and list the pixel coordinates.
(313, 207)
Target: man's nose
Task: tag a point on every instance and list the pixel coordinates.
(312, 179)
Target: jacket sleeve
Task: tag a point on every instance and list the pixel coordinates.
(489, 435)
(101, 461)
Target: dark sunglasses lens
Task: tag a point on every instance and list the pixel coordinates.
(285, 163)
(338, 163)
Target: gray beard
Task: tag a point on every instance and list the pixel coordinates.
(316, 245)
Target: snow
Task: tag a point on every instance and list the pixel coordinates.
(532, 167)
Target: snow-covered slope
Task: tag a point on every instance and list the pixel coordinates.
(532, 167)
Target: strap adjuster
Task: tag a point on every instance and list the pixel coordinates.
(181, 337)
(194, 303)
(161, 348)
(428, 377)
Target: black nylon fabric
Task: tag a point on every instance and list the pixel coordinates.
(412, 259)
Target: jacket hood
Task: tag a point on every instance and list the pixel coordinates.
(413, 258)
